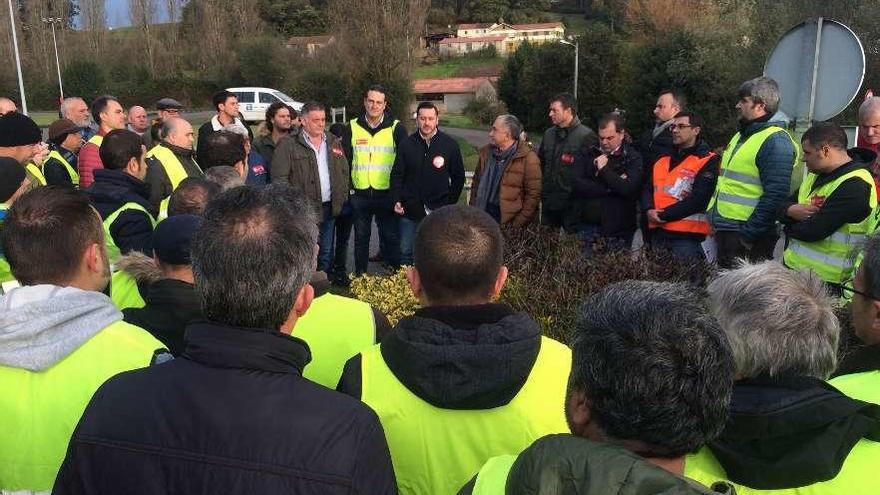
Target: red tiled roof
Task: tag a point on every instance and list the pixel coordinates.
(450, 84)
(473, 26)
(541, 25)
(474, 39)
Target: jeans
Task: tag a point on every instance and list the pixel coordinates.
(343, 232)
(407, 237)
(365, 208)
(683, 249)
(590, 235)
(325, 237)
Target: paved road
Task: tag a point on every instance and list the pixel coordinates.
(476, 137)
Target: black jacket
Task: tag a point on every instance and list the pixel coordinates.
(701, 193)
(469, 357)
(132, 230)
(233, 415)
(608, 197)
(426, 175)
(157, 178)
(652, 148)
(55, 172)
(557, 152)
(847, 204)
(170, 306)
(399, 135)
(791, 432)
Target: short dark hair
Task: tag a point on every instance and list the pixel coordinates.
(46, 232)
(192, 196)
(677, 96)
(312, 106)
(613, 118)
(99, 105)
(567, 100)
(826, 133)
(694, 118)
(654, 365)
(337, 129)
(220, 98)
(427, 105)
(252, 254)
(458, 251)
(378, 88)
(273, 110)
(119, 147)
(871, 265)
(222, 148)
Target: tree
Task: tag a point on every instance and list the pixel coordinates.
(94, 17)
(143, 14)
(294, 17)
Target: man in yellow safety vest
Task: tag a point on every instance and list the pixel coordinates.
(65, 140)
(463, 379)
(171, 161)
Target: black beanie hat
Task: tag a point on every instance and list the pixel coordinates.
(17, 129)
(11, 175)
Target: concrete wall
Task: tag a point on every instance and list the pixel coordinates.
(455, 103)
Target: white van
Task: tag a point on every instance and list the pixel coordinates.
(253, 102)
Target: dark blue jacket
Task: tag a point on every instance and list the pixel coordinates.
(232, 415)
(132, 230)
(775, 161)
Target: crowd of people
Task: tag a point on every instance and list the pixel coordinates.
(167, 324)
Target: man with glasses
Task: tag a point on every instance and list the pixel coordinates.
(679, 188)
(835, 207)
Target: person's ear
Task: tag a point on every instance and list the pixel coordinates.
(93, 258)
(875, 317)
(415, 282)
(500, 280)
(241, 169)
(133, 166)
(579, 415)
(301, 304)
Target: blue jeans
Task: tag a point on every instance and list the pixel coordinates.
(683, 249)
(407, 238)
(325, 237)
(365, 208)
(590, 235)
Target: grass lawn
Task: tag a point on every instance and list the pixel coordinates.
(455, 67)
(460, 121)
(468, 154)
(575, 24)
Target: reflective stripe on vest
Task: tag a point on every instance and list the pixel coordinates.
(124, 291)
(41, 408)
(74, 176)
(97, 140)
(372, 156)
(672, 186)
(336, 328)
(856, 476)
(36, 172)
(739, 182)
(113, 252)
(492, 478)
(831, 258)
(437, 450)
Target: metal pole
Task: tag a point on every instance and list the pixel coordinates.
(815, 76)
(57, 61)
(17, 59)
(575, 70)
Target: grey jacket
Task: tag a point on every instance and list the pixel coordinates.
(296, 163)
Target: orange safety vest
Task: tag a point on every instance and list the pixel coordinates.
(672, 186)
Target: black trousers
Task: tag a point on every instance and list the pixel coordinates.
(731, 248)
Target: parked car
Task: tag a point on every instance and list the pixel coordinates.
(253, 102)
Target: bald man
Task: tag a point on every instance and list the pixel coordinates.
(170, 161)
(7, 106)
(137, 120)
(869, 136)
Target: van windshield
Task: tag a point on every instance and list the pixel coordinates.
(281, 96)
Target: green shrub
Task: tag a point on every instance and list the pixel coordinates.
(390, 294)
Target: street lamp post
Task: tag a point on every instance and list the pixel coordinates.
(17, 59)
(51, 21)
(575, 45)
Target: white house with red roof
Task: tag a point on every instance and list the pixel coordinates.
(503, 36)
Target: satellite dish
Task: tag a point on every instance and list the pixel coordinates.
(819, 66)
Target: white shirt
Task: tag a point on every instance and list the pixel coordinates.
(323, 166)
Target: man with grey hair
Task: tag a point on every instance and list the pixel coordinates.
(171, 161)
(233, 412)
(869, 132)
(788, 430)
(225, 177)
(507, 180)
(76, 110)
(138, 122)
(755, 177)
(650, 381)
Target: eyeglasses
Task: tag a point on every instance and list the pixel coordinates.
(680, 126)
(848, 286)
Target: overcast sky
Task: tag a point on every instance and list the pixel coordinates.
(117, 13)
